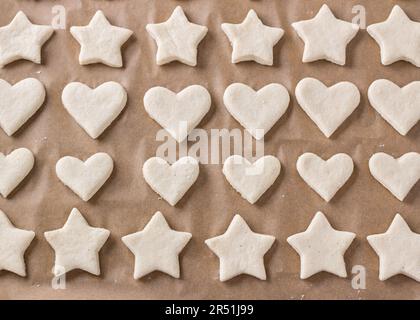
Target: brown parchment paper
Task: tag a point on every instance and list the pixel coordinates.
(125, 203)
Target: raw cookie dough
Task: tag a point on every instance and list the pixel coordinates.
(240, 250)
(156, 247)
(398, 250)
(85, 178)
(325, 177)
(178, 113)
(177, 39)
(397, 175)
(321, 248)
(77, 245)
(21, 39)
(94, 109)
(252, 40)
(13, 244)
(325, 37)
(398, 37)
(171, 182)
(19, 102)
(256, 111)
(100, 41)
(251, 180)
(14, 168)
(400, 107)
(328, 107)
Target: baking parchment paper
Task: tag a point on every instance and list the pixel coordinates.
(125, 203)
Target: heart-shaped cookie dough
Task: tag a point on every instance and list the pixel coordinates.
(328, 107)
(256, 111)
(85, 178)
(400, 107)
(178, 113)
(94, 109)
(397, 175)
(19, 102)
(325, 177)
(14, 168)
(171, 182)
(251, 180)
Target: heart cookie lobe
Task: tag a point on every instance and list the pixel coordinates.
(397, 175)
(171, 182)
(256, 111)
(325, 177)
(85, 178)
(14, 168)
(19, 102)
(251, 180)
(94, 109)
(328, 107)
(400, 107)
(178, 113)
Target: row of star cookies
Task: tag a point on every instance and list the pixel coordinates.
(325, 37)
(240, 250)
(179, 113)
(251, 180)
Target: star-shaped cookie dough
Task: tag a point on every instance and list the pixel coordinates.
(325, 37)
(156, 247)
(321, 248)
(13, 244)
(77, 245)
(100, 41)
(252, 40)
(21, 39)
(177, 39)
(398, 37)
(240, 250)
(398, 250)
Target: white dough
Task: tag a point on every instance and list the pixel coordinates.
(251, 180)
(400, 107)
(156, 247)
(94, 109)
(328, 107)
(100, 41)
(177, 39)
(240, 250)
(257, 111)
(171, 182)
(325, 37)
(19, 102)
(22, 40)
(85, 178)
(321, 248)
(252, 40)
(14, 168)
(398, 250)
(398, 37)
(397, 175)
(325, 177)
(13, 244)
(77, 245)
(178, 113)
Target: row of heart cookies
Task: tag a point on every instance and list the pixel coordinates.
(251, 180)
(240, 250)
(177, 39)
(179, 113)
